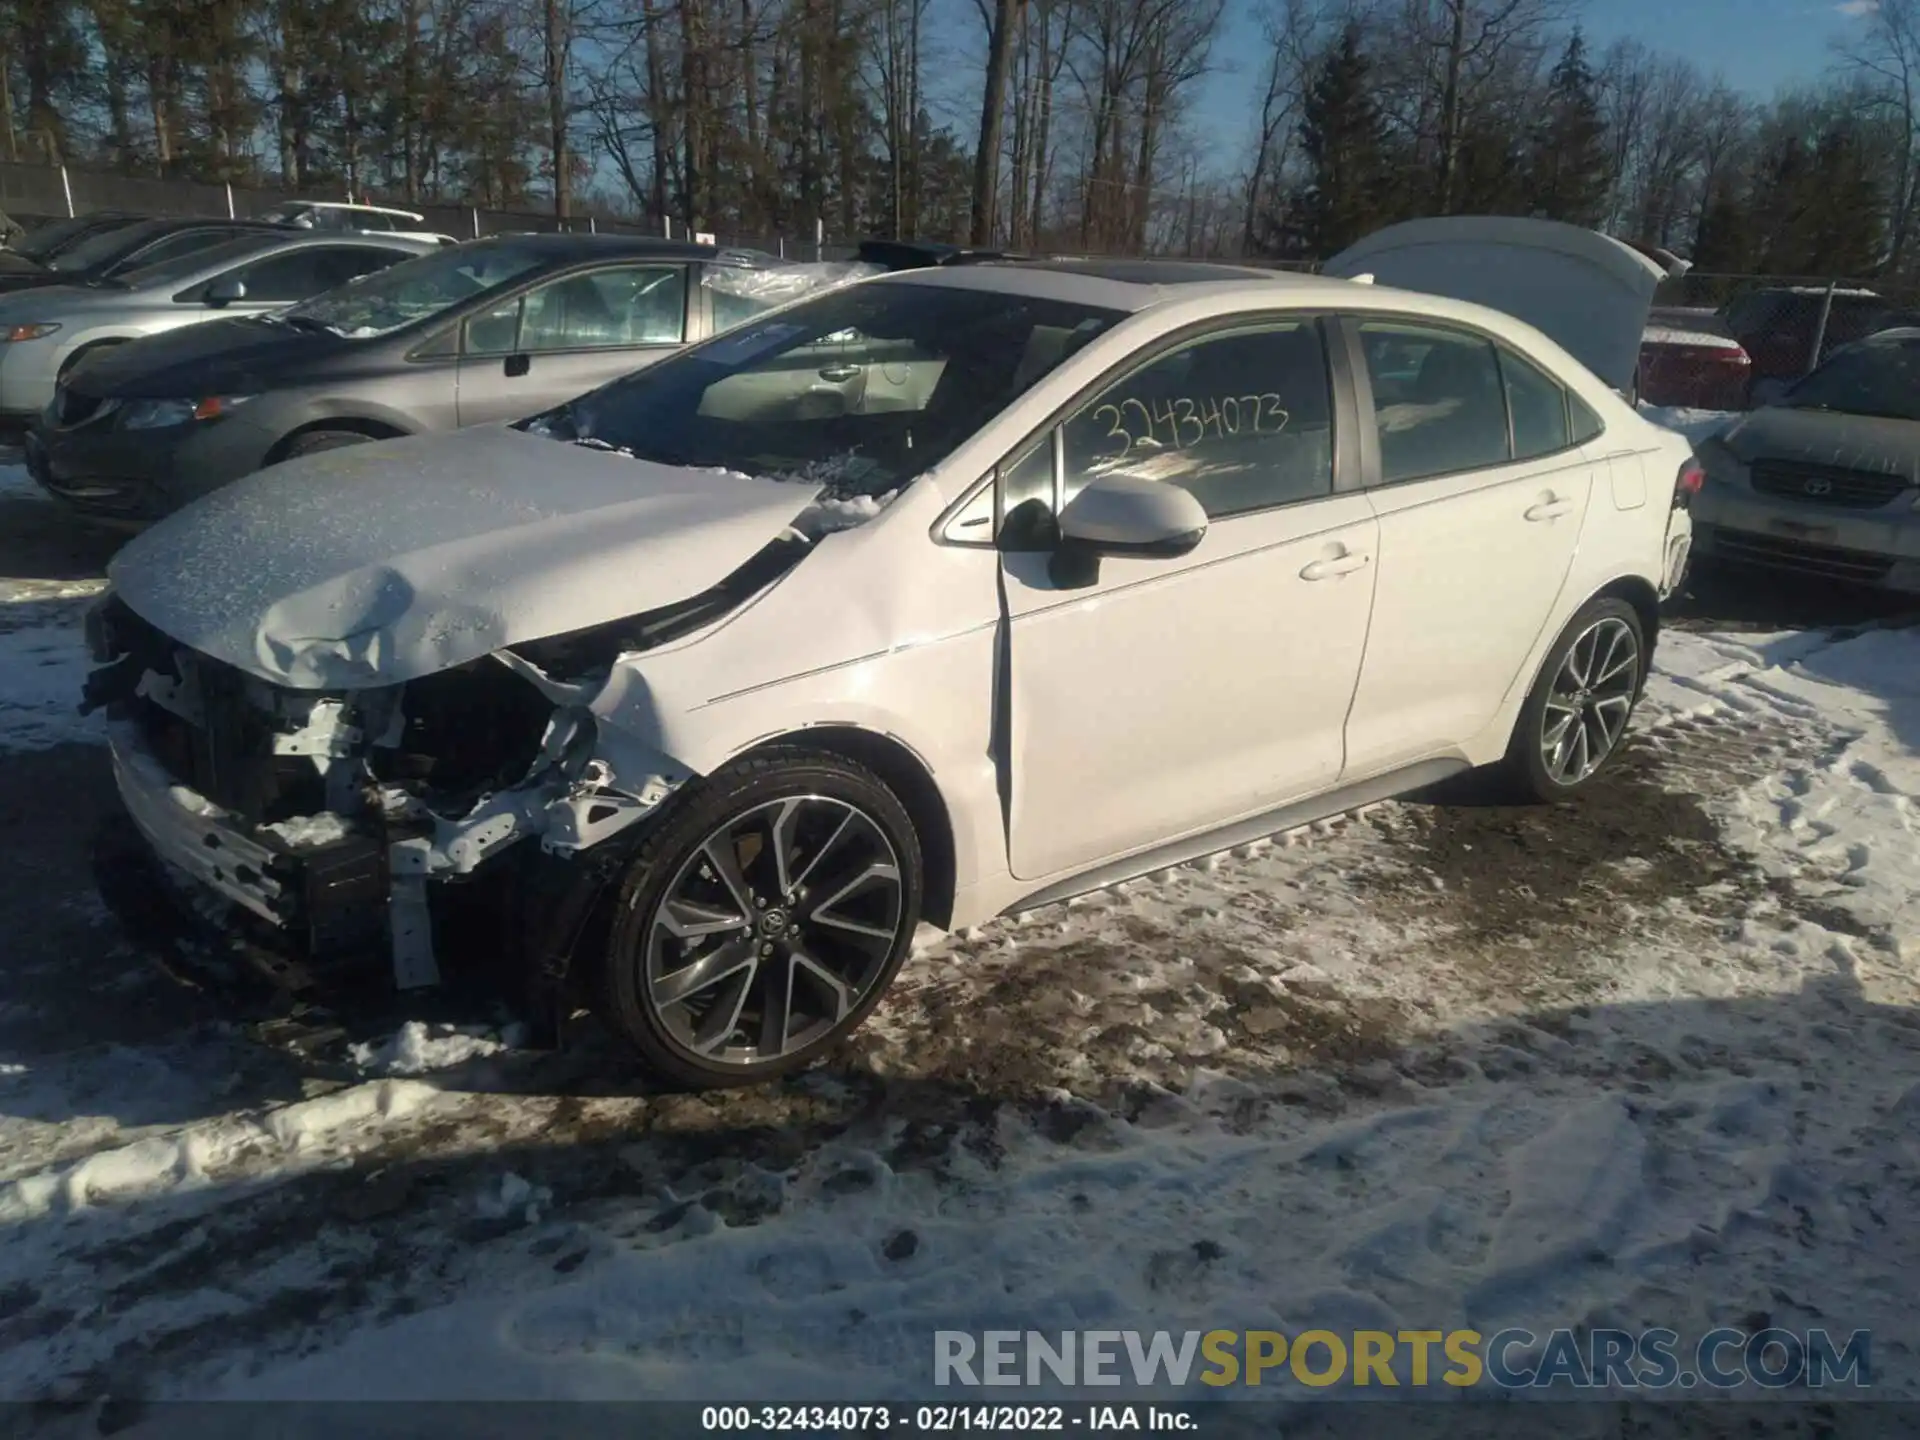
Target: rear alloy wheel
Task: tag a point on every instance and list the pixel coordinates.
(763, 922)
(1576, 714)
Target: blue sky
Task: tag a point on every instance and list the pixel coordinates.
(1755, 45)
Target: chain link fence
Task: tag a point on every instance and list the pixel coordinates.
(1731, 342)
(33, 193)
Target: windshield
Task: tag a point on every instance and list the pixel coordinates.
(195, 262)
(102, 248)
(1880, 377)
(49, 238)
(418, 289)
(862, 388)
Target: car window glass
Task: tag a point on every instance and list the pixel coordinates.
(1242, 421)
(494, 331)
(186, 242)
(624, 305)
(299, 273)
(1028, 481)
(1585, 423)
(730, 310)
(1538, 406)
(862, 387)
(1437, 399)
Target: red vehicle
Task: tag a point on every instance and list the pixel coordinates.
(1688, 357)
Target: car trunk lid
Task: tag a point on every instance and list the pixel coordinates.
(1587, 292)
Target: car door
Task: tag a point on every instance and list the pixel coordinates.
(553, 341)
(1480, 495)
(1171, 696)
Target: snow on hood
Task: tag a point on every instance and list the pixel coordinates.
(1828, 437)
(376, 564)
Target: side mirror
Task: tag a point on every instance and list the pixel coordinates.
(1124, 515)
(224, 291)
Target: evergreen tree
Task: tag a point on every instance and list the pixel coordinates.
(1569, 162)
(1343, 137)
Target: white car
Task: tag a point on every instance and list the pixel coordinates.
(333, 216)
(937, 595)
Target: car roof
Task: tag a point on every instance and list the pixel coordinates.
(354, 205)
(1127, 285)
(566, 247)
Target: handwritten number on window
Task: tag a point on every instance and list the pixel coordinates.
(1181, 421)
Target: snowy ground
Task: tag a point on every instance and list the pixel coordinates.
(1650, 1059)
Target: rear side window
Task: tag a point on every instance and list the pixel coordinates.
(1583, 422)
(1438, 400)
(1241, 420)
(1537, 405)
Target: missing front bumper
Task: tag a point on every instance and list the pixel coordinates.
(327, 906)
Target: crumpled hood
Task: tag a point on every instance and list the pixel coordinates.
(1827, 437)
(375, 564)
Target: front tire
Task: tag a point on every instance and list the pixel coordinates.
(763, 921)
(1575, 716)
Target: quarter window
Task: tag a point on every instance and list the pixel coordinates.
(1437, 398)
(1538, 406)
(1584, 424)
(1243, 421)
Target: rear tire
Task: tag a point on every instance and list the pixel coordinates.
(314, 441)
(763, 920)
(1575, 717)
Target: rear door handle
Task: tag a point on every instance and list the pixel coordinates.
(838, 374)
(1550, 509)
(1334, 568)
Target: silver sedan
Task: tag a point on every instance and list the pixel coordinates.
(1826, 482)
(44, 333)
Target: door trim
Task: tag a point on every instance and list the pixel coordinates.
(1350, 796)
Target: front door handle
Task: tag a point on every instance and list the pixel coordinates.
(1332, 569)
(839, 374)
(518, 365)
(1550, 509)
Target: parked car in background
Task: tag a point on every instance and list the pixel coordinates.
(722, 682)
(45, 333)
(109, 253)
(1825, 481)
(334, 218)
(33, 250)
(1689, 358)
(493, 330)
(1778, 326)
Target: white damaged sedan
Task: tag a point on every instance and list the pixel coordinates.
(942, 594)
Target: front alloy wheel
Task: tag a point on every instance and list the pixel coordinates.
(764, 920)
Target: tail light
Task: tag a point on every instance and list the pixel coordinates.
(1687, 484)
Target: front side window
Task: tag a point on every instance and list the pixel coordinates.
(1243, 421)
(419, 289)
(862, 388)
(1437, 398)
(1538, 406)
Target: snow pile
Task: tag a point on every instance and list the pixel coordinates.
(1696, 425)
(417, 1048)
(43, 666)
(306, 832)
(1662, 335)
